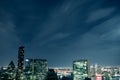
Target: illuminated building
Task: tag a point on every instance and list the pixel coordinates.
(11, 71)
(63, 71)
(20, 63)
(3, 73)
(36, 68)
(95, 72)
(98, 77)
(8, 72)
(81, 69)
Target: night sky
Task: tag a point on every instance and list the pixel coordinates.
(61, 30)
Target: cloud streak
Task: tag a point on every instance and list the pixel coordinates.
(99, 14)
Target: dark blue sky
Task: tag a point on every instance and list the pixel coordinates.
(61, 30)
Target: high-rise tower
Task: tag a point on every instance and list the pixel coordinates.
(81, 69)
(20, 58)
(37, 68)
(20, 62)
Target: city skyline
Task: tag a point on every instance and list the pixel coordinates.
(60, 31)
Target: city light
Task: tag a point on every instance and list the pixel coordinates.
(37, 69)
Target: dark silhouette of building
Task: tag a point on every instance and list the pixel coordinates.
(51, 75)
(11, 66)
(66, 78)
(20, 63)
(87, 78)
(11, 71)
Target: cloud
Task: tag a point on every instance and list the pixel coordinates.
(101, 42)
(60, 36)
(9, 41)
(100, 14)
(52, 38)
(107, 31)
(7, 27)
(69, 20)
(81, 28)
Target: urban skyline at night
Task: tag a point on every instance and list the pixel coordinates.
(21, 62)
(38, 69)
(60, 31)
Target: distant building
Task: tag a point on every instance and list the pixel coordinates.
(11, 71)
(63, 72)
(95, 72)
(8, 73)
(11, 66)
(51, 75)
(36, 69)
(3, 73)
(81, 69)
(98, 77)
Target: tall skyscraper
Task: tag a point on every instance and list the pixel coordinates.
(20, 63)
(81, 69)
(36, 68)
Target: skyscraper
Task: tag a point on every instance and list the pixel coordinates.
(20, 63)
(81, 69)
(36, 68)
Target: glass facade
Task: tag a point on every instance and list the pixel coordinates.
(80, 69)
(36, 68)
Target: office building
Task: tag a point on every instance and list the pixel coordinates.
(81, 69)
(36, 69)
